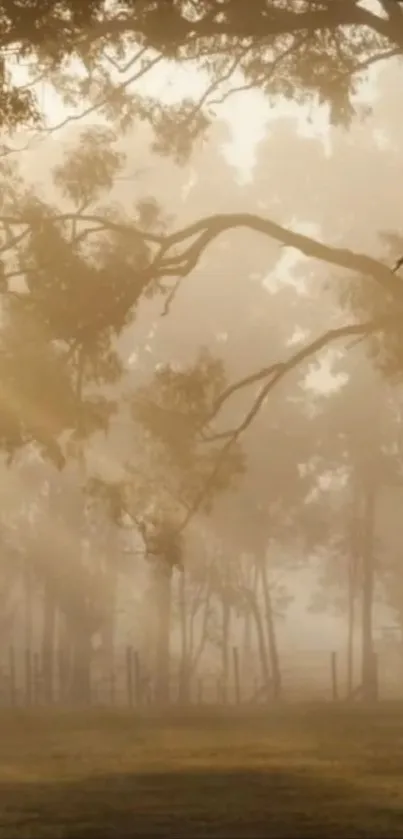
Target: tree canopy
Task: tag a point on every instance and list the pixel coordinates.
(300, 48)
(97, 57)
(212, 408)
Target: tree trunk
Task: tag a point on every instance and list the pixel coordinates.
(247, 643)
(28, 628)
(264, 663)
(185, 652)
(48, 641)
(247, 651)
(352, 573)
(108, 627)
(163, 580)
(64, 645)
(350, 629)
(28, 603)
(271, 631)
(81, 664)
(107, 634)
(226, 637)
(196, 651)
(368, 580)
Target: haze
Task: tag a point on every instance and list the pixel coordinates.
(201, 417)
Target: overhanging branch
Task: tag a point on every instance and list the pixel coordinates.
(275, 373)
(178, 253)
(204, 231)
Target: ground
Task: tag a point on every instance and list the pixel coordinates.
(306, 772)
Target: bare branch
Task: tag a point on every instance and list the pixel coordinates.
(252, 379)
(204, 231)
(276, 373)
(209, 228)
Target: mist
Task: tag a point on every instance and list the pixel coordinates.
(201, 387)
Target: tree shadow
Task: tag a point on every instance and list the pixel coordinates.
(196, 804)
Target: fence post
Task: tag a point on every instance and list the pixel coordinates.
(335, 691)
(236, 676)
(13, 686)
(129, 676)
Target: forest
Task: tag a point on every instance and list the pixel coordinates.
(201, 355)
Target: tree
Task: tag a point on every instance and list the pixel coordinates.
(317, 50)
(100, 262)
(171, 409)
(326, 33)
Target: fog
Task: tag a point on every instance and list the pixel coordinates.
(201, 413)
(243, 300)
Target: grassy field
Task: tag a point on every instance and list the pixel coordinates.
(299, 773)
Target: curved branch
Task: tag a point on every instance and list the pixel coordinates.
(200, 234)
(195, 238)
(207, 229)
(276, 373)
(241, 384)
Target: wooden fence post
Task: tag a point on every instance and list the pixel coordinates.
(335, 690)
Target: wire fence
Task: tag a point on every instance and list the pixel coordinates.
(319, 676)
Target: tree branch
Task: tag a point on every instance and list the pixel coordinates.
(276, 373)
(165, 27)
(204, 231)
(209, 228)
(169, 261)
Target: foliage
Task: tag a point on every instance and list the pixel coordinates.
(75, 271)
(370, 301)
(68, 294)
(164, 542)
(173, 408)
(301, 50)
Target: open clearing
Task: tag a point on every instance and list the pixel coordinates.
(317, 772)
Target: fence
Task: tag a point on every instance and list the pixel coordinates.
(310, 676)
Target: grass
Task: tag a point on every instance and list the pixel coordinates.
(307, 772)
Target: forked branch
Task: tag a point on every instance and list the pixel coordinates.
(274, 375)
